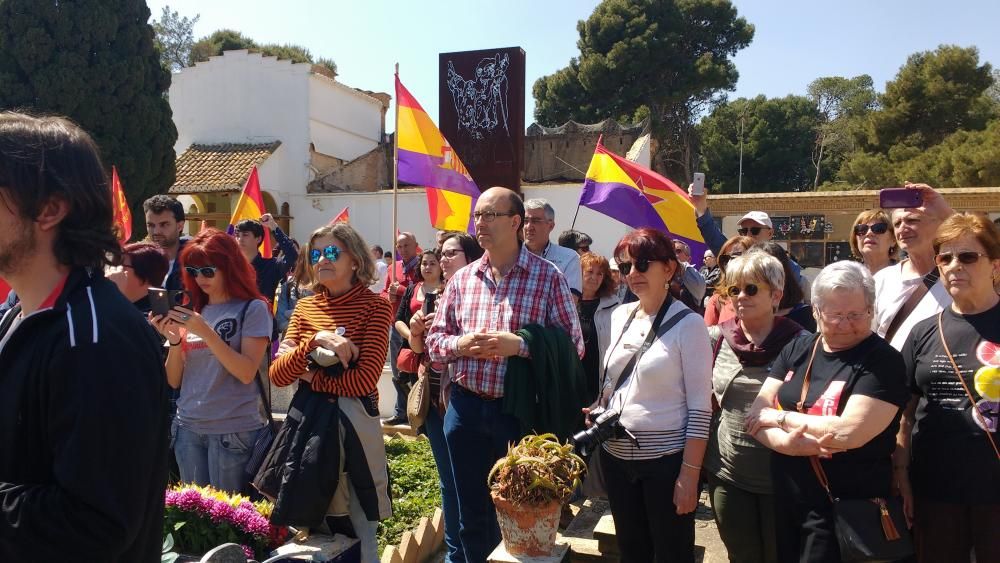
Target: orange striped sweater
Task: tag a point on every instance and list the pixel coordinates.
(366, 317)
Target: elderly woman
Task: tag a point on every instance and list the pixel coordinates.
(739, 467)
(953, 362)
(342, 328)
(658, 371)
(873, 240)
(718, 307)
(838, 395)
(598, 300)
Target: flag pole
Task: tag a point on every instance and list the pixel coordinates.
(395, 180)
(577, 214)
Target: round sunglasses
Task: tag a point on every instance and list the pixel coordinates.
(641, 266)
(967, 257)
(749, 289)
(205, 271)
(331, 253)
(877, 228)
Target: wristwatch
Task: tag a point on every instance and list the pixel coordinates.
(781, 419)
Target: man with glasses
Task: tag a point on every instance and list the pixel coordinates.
(909, 291)
(506, 290)
(539, 221)
(407, 272)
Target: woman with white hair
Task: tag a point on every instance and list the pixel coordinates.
(830, 410)
(739, 467)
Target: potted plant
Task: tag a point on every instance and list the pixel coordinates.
(529, 487)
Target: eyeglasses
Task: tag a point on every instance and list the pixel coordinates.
(534, 220)
(967, 257)
(754, 231)
(331, 253)
(850, 317)
(641, 266)
(490, 216)
(749, 289)
(726, 258)
(877, 228)
(451, 253)
(205, 271)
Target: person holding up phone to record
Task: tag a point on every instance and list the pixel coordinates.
(216, 346)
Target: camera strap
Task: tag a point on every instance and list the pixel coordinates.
(658, 329)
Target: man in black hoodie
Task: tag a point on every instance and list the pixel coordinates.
(83, 411)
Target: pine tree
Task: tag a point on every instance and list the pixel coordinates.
(95, 63)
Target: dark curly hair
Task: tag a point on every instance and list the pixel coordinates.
(46, 157)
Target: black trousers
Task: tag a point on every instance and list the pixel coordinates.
(641, 494)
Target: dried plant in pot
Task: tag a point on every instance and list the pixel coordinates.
(529, 487)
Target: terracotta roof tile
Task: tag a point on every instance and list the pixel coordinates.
(218, 168)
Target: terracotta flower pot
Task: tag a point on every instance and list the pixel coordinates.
(527, 530)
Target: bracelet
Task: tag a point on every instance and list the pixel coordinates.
(688, 465)
(172, 344)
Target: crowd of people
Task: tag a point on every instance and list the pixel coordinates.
(784, 396)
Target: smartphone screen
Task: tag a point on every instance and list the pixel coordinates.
(430, 301)
(894, 198)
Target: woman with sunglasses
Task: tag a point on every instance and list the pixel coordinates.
(947, 465)
(739, 467)
(216, 347)
(719, 308)
(873, 240)
(457, 251)
(663, 396)
(349, 323)
(833, 398)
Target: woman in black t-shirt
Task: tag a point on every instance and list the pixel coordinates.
(854, 388)
(954, 464)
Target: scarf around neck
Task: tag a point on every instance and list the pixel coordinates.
(750, 354)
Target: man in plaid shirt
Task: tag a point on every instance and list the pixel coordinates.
(484, 303)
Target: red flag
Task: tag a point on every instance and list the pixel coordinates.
(251, 206)
(122, 213)
(343, 217)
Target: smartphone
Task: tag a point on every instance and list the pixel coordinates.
(893, 198)
(162, 300)
(698, 186)
(430, 300)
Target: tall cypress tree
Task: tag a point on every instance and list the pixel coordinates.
(94, 61)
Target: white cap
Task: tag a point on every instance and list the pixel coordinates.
(758, 217)
(613, 264)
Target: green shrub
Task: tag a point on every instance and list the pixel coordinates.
(415, 490)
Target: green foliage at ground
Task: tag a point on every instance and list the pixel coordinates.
(415, 489)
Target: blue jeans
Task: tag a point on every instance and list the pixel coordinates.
(477, 433)
(434, 427)
(218, 460)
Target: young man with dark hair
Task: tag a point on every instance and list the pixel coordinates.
(165, 223)
(270, 271)
(82, 376)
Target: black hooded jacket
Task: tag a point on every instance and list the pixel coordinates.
(83, 429)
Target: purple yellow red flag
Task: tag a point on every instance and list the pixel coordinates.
(639, 197)
(122, 212)
(251, 206)
(425, 158)
(343, 217)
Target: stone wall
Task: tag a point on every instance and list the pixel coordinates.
(563, 153)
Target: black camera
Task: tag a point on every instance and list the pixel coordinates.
(603, 428)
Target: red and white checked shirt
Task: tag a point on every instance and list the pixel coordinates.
(533, 292)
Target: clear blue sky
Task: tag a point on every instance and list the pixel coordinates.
(795, 42)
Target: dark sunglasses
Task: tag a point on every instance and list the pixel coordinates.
(331, 253)
(877, 228)
(750, 289)
(726, 258)
(641, 266)
(205, 271)
(754, 231)
(967, 257)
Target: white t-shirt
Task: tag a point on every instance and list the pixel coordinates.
(892, 291)
(380, 270)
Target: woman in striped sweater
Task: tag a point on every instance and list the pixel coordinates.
(345, 318)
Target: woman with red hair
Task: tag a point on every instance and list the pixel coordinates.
(216, 346)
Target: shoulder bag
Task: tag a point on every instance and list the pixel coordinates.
(867, 529)
(265, 436)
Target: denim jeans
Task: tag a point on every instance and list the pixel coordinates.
(434, 428)
(218, 460)
(477, 433)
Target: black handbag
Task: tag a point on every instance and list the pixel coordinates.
(868, 530)
(265, 436)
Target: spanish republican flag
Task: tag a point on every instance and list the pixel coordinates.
(251, 206)
(425, 158)
(122, 213)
